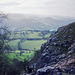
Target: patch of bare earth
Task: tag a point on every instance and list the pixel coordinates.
(65, 63)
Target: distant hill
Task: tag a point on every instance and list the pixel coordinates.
(36, 22)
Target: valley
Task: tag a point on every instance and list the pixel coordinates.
(35, 45)
(24, 43)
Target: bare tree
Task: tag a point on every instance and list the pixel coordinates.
(2, 17)
(3, 32)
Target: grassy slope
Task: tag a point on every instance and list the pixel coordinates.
(16, 55)
(32, 44)
(34, 35)
(14, 44)
(26, 44)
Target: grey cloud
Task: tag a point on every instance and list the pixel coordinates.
(50, 7)
(9, 4)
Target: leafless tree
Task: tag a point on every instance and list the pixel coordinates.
(3, 32)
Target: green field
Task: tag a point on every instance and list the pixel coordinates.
(26, 55)
(34, 35)
(47, 35)
(35, 44)
(20, 39)
(14, 44)
(22, 36)
(32, 44)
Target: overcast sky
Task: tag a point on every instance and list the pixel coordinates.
(39, 7)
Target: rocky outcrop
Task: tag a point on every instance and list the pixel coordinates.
(60, 47)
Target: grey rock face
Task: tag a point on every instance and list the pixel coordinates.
(45, 71)
(62, 56)
(70, 52)
(60, 45)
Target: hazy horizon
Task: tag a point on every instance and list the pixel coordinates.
(36, 22)
(40, 7)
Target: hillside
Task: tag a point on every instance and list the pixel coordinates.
(36, 22)
(58, 53)
(22, 39)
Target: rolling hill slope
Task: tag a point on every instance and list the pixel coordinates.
(36, 22)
